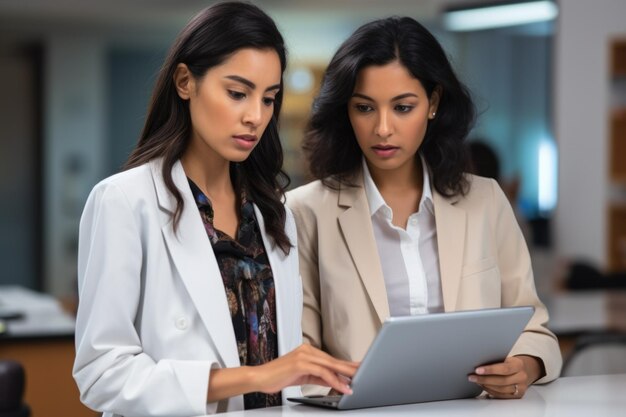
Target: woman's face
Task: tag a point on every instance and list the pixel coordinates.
(389, 111)
(232, 104)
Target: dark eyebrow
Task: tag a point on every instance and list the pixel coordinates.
(396, 98)
(250, 84)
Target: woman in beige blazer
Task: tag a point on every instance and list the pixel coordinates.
(393, 225)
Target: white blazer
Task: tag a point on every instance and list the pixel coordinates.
(153, 319)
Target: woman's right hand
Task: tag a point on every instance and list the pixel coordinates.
(304, 365)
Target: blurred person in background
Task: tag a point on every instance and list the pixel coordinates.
(189, 295)
(484, 162)
(394, 225)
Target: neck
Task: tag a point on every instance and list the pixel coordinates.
(406, 177)
(208, 170)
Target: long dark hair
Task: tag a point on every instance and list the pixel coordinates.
(330, 144)
(210, 38)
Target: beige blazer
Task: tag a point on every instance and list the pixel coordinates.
(484, 262)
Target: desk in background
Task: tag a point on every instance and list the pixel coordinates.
(575, 312)
(597, 396)
(41, 338)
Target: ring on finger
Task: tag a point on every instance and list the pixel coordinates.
(516, 390)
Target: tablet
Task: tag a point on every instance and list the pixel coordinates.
(429, 357)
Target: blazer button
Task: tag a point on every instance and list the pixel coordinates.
(181, 323)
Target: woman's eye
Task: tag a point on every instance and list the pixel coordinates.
(268, 101)
(403, 108)
(363, 108)
(236, 95)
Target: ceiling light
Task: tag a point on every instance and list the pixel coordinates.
(499, 15)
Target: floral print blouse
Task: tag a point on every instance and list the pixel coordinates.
(249, 285)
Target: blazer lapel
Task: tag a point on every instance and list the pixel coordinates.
(356, 225)
(195, 261)
(450, 222)
(283, 298)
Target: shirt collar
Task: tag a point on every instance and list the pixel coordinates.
(204, 203)
(427, 192)
(376, 200)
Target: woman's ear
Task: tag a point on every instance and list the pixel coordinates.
(434, 100)
(183, 81)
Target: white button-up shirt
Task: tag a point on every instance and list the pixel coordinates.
(409, 258)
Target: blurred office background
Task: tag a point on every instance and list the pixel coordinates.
(76, 76)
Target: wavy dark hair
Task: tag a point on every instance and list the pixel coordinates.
(330, 145)
(210, 38)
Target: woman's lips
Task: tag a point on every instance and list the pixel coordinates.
(385, 151)
(245, 141)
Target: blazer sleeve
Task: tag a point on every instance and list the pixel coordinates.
(112, 371)
(518, 288)
(306, 222)
(309, 271)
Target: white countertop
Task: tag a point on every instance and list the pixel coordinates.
(588, 396)
(41, 314)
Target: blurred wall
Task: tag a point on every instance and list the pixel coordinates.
(131, 74)
(508, 71)
(581, 111)
(74, 109)
(20, 158)
(97, 78)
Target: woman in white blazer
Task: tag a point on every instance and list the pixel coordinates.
(393, 225)
(190, 297)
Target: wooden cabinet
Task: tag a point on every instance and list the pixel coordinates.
(50, 388)
(618, 58)
(617, 237)
(618, 146)
(617, 158)
(42, 340)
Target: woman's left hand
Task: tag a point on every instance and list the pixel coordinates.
(509, 379)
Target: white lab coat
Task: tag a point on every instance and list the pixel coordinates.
(153, 317)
